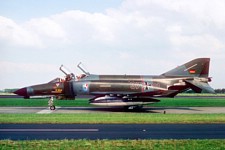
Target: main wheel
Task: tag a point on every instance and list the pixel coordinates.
(133, 108)
(52, 107)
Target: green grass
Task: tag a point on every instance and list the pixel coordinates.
(124, 118)
(201, 94)
(191, 102)
(214, 144)
(174, 102)
(41, 102)
(112, 118)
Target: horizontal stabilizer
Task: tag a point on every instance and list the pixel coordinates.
(199, 86)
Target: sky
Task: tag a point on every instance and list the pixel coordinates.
(147, 37)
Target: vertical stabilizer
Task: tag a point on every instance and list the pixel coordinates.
(196, 68)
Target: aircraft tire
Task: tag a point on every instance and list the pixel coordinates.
(52, 107)
(133, 108)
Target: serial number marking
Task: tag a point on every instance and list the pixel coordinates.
(156, 84)
(135, 85)
(57, 91)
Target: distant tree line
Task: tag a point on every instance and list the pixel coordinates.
(220, 90)
(189, 91)
(216, 90)
(7, 90)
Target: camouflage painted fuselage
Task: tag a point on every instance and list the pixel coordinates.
(128, 90)
(134, 85)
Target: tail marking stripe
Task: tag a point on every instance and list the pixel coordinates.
(191, 67)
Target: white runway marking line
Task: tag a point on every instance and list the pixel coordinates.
(49, 130)
(47, 111)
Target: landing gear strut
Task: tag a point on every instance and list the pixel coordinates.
(51, 103)
(134, 108)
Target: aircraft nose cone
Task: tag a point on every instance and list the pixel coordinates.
(21, 92)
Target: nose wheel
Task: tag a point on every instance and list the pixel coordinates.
(52, 107)
(51, 103)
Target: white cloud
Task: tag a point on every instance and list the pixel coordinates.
(84, 27)
(15, 75)
(45, 27)
(197, 42)
(174, 29)
(207, 11)
(14, 34)
(139, 31)
(11, 67)
(125, 55)
(134, 21)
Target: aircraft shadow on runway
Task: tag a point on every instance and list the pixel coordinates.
(121, 109)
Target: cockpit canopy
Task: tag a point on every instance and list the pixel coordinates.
(57, 80)
(81, 76)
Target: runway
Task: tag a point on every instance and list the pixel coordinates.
(168, 110)
(111, 131)
(88, 97)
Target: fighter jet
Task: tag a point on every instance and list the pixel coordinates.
(125, 90)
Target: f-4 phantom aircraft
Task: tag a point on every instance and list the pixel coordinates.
(125, 90)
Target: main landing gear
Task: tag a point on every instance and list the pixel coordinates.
(51, 103)
(134, 108)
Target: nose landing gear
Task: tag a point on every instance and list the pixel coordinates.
(51, 103)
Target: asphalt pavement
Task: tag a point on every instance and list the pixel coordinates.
(111, 131)
(168, 110)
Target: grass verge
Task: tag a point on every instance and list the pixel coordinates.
(201, 94)
(214, 144)
(112, 118)
(42, 102)
(173, 102)
(191, 102)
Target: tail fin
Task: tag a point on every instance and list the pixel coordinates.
(196, 68)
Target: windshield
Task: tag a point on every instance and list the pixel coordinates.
(56, 80)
